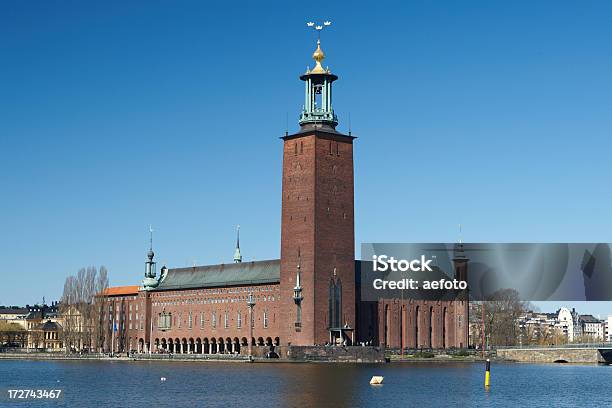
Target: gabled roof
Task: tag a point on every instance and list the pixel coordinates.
(14, 310)
(120, 290)
(236, 274)
(589, 319)
(50, 326)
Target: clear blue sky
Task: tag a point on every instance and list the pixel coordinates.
(117, 115)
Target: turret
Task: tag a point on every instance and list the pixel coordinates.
(237, 254)
(150, 281)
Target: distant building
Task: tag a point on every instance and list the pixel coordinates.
(44, 327)
(568, 323)
(564, 326)
(592, 328)
(14, 314)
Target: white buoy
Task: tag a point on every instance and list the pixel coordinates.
(163, 379)
(377, 380)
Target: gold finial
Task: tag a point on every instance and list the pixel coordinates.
(318, 56)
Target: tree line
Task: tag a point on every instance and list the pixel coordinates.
(80, 308)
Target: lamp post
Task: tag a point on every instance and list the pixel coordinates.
(251, 305)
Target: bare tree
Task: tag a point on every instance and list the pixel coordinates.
(502, 312)
(99, 326)
(80, 307)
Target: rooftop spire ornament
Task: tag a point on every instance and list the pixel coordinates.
(318, 111)
(318, 54)
(237, 254)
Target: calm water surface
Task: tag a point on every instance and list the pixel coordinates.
(137, 384)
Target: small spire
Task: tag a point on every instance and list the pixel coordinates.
(151, 254)
(237, 254)
(297, 290)
(459, 252)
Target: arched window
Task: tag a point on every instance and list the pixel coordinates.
(432, 320)
(239, 320)
(335, 303)
(226, 321)
(416, 327)
(386, 328)
(214, 319)
(190, 322)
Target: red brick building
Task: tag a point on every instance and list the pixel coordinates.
(310, 296)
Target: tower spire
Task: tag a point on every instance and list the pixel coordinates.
(318, 109)
(149, 281)
(237, 254)
(151, 254)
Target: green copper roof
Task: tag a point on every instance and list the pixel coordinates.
(236, 274)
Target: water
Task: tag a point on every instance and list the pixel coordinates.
(137, 384)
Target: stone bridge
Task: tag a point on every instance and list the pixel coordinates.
(558, 354)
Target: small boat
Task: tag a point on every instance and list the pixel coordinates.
(377, 380)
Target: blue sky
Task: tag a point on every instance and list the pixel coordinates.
(117, 115)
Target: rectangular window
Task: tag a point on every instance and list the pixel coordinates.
(265, 319)
(190, 320)
(226, 323)
(239, 320)
(202, 320)
(164, 321)
(214, 320)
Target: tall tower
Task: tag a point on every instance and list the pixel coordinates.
(317, 277)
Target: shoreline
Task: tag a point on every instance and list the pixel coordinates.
(178, 358)
(405, 360)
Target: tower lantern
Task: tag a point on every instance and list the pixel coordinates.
(150, 281)
(318, 110)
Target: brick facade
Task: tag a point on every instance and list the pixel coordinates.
(318, 223)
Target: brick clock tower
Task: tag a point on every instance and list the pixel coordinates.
(317, 276)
